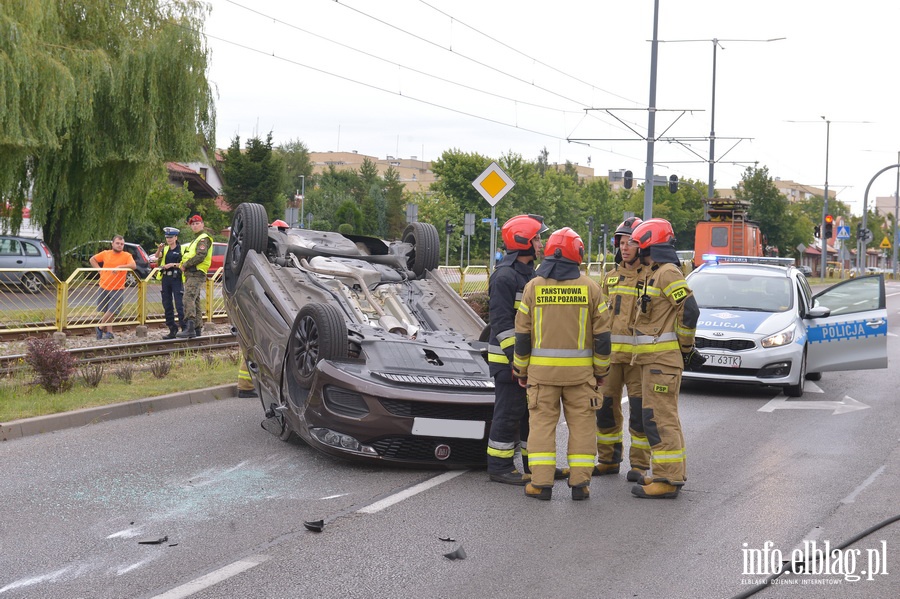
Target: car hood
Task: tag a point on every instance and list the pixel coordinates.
(743, 322)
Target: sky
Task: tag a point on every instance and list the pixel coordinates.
(408, 78)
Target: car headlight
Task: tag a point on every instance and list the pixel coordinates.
(781, 338)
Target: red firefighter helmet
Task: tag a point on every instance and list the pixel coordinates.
(518, 231)
(280, 224)
(626, 227)
(565, 243)
(654, 231)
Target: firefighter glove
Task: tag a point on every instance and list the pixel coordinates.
(693, 360)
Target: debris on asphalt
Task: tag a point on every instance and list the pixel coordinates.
(314, 525)
(156, 541)
(460, 553)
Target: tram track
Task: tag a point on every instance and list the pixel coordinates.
(118, 352)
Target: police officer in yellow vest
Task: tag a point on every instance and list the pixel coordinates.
(620, 289)
(561, 353)
(195, 260)
(662, 344)
(168, 261)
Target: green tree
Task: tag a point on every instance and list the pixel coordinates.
(95, 96)
(254, 175)
(294, 156)
(769, 208)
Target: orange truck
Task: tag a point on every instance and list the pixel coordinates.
(728, 231)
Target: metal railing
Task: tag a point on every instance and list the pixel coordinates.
(72, 304)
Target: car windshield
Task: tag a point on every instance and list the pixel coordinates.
(718, 289)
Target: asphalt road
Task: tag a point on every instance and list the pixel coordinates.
(231, 500)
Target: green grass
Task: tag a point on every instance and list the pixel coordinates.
(20, 398)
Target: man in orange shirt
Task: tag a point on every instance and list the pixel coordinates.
(112, 282)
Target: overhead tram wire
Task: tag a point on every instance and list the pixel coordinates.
(402, 66)
(406, 96)
(536, 60)
(469, 58)
(464, 86)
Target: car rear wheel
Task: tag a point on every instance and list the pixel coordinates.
(319, 333)
(249, 233)
(814, 376)
(426, 247)
(32, 282)
(797, 390)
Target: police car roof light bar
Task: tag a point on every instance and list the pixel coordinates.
(721, 259)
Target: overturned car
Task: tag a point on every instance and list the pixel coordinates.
(356, 345)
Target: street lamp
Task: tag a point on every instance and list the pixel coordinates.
(716, 43)
(302, 197)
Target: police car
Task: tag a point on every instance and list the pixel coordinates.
(761, 324)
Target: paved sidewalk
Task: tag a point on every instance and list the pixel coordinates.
(17, 429)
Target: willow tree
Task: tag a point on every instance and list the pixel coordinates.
(95, 95)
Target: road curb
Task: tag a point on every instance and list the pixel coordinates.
(26, 427)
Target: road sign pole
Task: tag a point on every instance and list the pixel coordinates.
(493, 238)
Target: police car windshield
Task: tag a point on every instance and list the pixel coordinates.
(718, 289)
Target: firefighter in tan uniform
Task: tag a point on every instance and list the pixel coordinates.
(662, 344)
(620, 289)
(561, 352)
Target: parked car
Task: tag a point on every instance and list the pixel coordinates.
(218, 257)
(82, 254)
(761, 324)
(356, 345)
(26, 252)
(805, 270)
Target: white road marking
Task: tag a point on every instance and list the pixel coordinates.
(335, 496)
(125, 534)
(406, 493)
(846, 405)
(27, 582)
(852, 496)
(215, 577)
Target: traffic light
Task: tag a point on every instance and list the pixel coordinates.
(817, 232)
(829, 225)
(448, 226)
(629, 179)
(673, 183)
(590, 224)
(603, 229)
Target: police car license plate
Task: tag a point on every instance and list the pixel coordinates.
(720, 360)
(437, 427)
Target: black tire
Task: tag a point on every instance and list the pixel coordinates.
(797, 390)
(814, 376)
(131, 279)
(319, 333)
(32, 282)
(426, 251)
(249, 233)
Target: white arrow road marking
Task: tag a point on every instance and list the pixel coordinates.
(811, 387)
(848, 404)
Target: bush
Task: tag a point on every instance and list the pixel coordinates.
(53, 366)
(479, 302)
(161, 368)
(125, 372)
(92, 374)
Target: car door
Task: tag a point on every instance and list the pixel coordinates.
(10, 257)
(854, 335)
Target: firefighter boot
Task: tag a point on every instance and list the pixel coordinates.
(510, 478)
(656, 490)
(542, 493)
(636, 475)
(581, 493)
(604, 469)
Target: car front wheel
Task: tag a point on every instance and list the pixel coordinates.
(319, 333)
(249, 233)
(797, 390)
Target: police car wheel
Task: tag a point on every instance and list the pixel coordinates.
(814, 376)
(797, 390)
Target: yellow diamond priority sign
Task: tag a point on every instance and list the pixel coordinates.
(493, 184)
